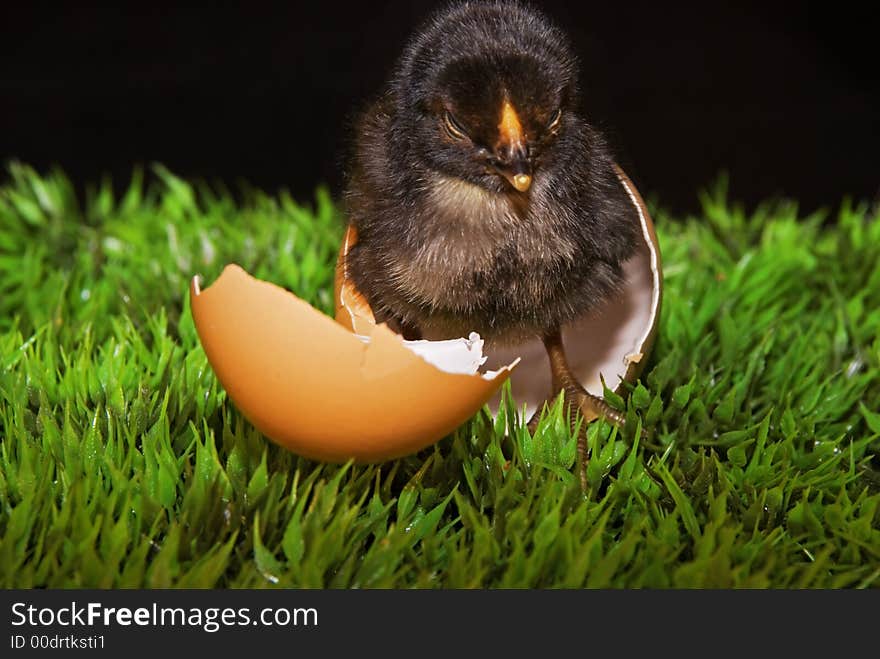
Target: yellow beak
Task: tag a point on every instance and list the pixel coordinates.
(512, 141)
(521, 182)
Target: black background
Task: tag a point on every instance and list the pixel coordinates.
(783, 97)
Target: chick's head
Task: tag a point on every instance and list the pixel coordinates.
(485, 94)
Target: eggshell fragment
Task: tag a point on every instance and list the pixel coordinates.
(312, 386)
(352, 310)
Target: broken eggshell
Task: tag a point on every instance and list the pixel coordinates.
(324, 392)
(353, 389)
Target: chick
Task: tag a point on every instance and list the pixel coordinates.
(483, 201)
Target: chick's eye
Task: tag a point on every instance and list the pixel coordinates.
(453, 127)
(555, 121)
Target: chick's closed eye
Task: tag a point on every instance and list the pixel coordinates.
(453, 127)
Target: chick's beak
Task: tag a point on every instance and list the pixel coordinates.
(521, 180)
(514, 162)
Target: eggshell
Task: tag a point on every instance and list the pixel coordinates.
(352, 310)
(312, 386)
(352, 389)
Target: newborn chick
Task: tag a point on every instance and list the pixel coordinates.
(483, 201)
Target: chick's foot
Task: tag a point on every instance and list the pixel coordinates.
(578, 401)
(580, 405)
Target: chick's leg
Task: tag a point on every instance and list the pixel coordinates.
(577, 399)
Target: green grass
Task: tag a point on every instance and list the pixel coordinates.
(123, 464)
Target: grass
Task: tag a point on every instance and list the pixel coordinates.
(122, 464)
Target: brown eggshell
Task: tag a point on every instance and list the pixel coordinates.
(352, 310)
(312, 386)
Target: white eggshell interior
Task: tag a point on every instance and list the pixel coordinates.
(460, 356)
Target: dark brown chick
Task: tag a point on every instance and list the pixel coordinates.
(483, 201)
